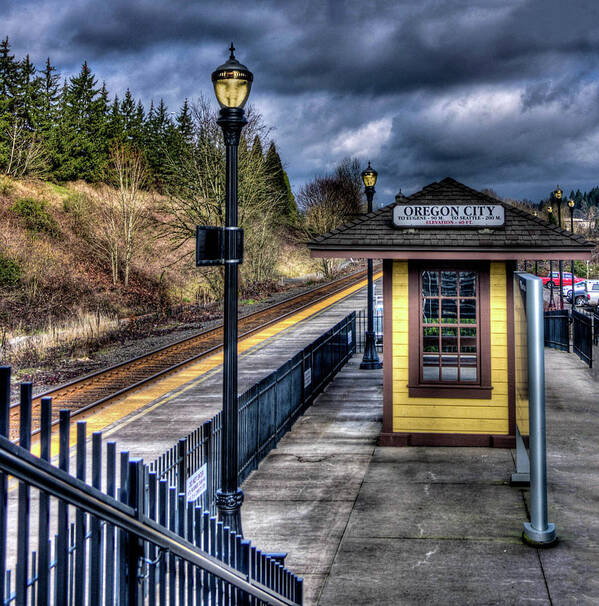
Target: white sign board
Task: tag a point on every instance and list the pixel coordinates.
(197, 483)
(448, 215)
(307, 377)
(349, 337)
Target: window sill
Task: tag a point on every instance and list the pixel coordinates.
(450, 391)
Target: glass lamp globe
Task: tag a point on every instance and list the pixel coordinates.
(232, 82)
(369, 176)
(571, 203)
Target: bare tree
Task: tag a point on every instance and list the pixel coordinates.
(129, 176)
(27, 157)
(329, 201)
(197, 193)
(120, 210)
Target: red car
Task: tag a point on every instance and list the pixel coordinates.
(554, 277)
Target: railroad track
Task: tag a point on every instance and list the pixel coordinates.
(90, 391)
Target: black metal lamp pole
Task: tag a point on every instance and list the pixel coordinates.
(571, 207)
(557, 194)
(232, 82)
(370, 360)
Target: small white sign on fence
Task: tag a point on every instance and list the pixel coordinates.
(349, 337)
(197, 484)
(307, 377)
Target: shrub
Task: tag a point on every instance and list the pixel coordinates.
(6, 186)
(36, 216)
(75, 203)
(10, 271)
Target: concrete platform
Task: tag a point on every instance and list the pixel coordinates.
(367, 525)
(157, 426)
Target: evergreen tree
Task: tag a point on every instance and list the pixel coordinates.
(8, 77)
(28, 95)
(185, 123)
(50, 94)
(127, 113)
(159, 134)
(78, 147)
(257, 152)
(280, 183)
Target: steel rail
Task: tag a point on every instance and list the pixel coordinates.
(201, 333)
(21, 464)
(338, 286)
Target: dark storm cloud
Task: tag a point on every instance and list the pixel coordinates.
(497, 93)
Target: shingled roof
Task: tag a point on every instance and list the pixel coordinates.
(521, 233)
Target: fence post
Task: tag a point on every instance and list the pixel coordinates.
(133, 551)
(4, 423)
(23, 514)
(244, 567)
(182, 466)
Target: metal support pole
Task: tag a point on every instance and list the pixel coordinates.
(230, 497)
(572, 261)
(370, 360)
(561, 284)
(551, 301)
(538, 531)
(536, 268)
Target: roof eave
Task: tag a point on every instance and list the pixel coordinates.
(524, 254)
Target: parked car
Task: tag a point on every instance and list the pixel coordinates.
(553, 279)
(580, 293)
(593, 292)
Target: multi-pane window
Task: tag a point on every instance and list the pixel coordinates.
(449, 327)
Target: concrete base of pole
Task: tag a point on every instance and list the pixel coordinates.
(520, 479)
(370, 361)
(539, 538)
(228, 505)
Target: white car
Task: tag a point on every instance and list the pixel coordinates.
(580, 293)
(592, 292)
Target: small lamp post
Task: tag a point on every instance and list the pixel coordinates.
(571, 207)
(551, 301)
(232, 82)
(536, 214)
(371, 357)
(557, 195)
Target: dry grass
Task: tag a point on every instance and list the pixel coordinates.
(85, 331)
(295, 261)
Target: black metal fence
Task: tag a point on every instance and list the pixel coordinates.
(583, 327)
(362, 324)
(126, 538)
(557, 329)
(582, 336)
(266, 412)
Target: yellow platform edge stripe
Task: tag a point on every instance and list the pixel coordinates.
(121, 408)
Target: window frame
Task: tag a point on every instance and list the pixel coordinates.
(418, 388)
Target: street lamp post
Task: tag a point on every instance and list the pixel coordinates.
(557, 194)
(551, 301)
(571, 207)
(232, 82)
(371, 357)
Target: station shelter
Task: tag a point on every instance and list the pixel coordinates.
(452, 372)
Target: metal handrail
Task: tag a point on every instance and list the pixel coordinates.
(20, 463)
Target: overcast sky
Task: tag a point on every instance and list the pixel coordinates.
(501, 94)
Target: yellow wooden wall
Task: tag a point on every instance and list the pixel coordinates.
(444, 415)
